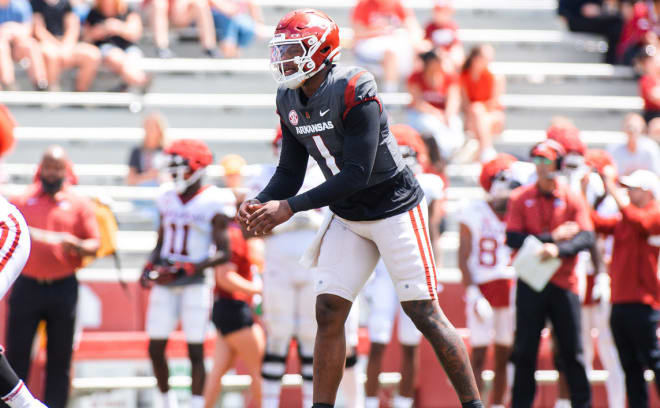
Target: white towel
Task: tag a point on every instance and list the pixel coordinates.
(311, 256)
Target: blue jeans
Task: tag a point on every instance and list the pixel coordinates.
(238, 29)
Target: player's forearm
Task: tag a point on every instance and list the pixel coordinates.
(515, 239)
(218, 258)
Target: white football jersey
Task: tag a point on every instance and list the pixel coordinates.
(490, 258)
(433, 186)
(187, 227)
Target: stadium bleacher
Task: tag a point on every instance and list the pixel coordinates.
(229, 104)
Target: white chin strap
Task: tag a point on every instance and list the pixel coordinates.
(181, 184)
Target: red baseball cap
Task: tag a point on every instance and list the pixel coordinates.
(549, 149)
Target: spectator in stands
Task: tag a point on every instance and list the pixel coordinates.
(592, 16)
(635, 282)
(236, 22)
(648, 62)
(435, 105)
(640, 30)
(182, 13)
(16, 43)
(484, 114)
(63, 229)
(387, 35)
(113, 27)
(57, 28)
(442, 31)
(654, 130)
(639, 152)
(142, 163)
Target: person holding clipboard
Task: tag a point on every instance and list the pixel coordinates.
(548, 225)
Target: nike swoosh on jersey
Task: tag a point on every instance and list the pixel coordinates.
(322, 113)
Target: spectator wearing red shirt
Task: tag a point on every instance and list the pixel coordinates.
(433, 111)
(239, 337)
(649, 83)
(386, 36)
(560, 218)
(635, 282)
(639, 30)
(63, 229)
(442, 31)
(481, 90)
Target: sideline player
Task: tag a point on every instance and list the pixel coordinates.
(194, 218)
(14, 253)
(485, 262)
(381, 294)
(288, 293)
(378, 209)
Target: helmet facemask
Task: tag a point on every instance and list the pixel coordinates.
(291, 60)
(178, 168)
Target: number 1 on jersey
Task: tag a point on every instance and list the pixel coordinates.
(184, 245)
(323, 149)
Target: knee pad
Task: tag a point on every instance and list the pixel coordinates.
(196, 353)
(351, 360)
(273, 367)
(8, 378)
(307, 367)
(157, 348)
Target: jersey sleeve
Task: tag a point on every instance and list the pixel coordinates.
(225, 203)
(361, 88)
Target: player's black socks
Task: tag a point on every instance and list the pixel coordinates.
(317, 405)
(473, 404)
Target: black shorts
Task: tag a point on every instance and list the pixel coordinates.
(231, 315)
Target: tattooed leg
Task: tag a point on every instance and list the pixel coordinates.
(447, 344)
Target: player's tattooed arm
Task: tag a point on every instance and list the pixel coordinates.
(446, 343)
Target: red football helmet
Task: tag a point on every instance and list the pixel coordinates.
(569, 137)
(305, 40)
(494, 177)
(186, 162)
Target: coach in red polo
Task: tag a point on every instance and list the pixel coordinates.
(635, 282)
(63, 229)
(549, 211)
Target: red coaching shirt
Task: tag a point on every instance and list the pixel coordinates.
(646, 86)
(634, 267)
(67, 212)
(532, 212)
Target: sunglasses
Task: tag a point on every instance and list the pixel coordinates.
(541, 160)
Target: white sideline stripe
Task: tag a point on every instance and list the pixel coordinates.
(150, 193)
(260, 65)
(231, 382)
(145, 241)
(109, 275)
(531, 5)
(255, 135)
(261, 100)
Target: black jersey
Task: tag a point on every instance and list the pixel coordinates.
(369, 181)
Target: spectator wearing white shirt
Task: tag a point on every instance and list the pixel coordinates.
(639, 152)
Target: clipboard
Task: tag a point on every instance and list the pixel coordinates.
(529, 267)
